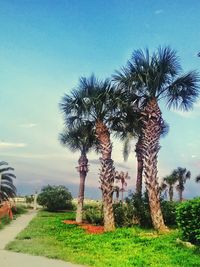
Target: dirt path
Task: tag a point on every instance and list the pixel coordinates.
(13, 259)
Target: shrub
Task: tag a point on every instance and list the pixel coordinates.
(188, 219)
(141, 211)
(55, 198)
(169, 212)
(123, 214)
(93, 214)
(19, 209)
(29, 199)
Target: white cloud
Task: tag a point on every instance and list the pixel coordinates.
(11, 145)
(28, 125)
(158, 11)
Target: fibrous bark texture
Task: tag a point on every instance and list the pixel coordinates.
(152, 127)
(139, 157)
(82, 169)
(107, 174)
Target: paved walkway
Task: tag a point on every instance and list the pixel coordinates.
(13, 259)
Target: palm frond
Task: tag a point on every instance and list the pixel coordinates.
(127, 146)
(184, 91)
(7, 188)
(79, 138)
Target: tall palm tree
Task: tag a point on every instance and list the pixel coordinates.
(7, 188)
(170, 181)
(94, 100)
(153, 78)
(197, 179)
(181, 175)
(81, 139)
(136, 133)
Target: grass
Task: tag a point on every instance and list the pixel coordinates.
(16, 213)
(47, 235)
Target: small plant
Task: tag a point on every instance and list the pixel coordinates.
(188, 219)
(55, 198)
(94, 214)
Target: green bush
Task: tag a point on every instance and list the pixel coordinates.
(19, 209)
(141, 211)
(169, 212)
(188, 219)
(55, 198)
(123, 214)
(93, 214)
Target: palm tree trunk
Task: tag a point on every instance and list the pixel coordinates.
(82, 169)
(107, 174)
(138, 151)
(171, 193)
(180, 192)
(152, 127)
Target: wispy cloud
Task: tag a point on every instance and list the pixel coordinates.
(158, 11)
(28, 125)
(11, 145)
(34, 156)
(184, 114)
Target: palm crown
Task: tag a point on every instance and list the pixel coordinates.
(7, 188)
(80, 138)
(92, 100)
(159, 76)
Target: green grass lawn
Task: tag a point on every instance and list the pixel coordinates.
(47, 235)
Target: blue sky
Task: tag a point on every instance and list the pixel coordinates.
(45, 46)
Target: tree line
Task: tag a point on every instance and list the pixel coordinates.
(127, 104)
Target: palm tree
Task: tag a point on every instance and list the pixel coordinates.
(94, 100)
(181, 175)
(170, 181)
(127, 135)
(81, 139)
(122, 177)
(153, 78)
(7, 188)
(197, 179)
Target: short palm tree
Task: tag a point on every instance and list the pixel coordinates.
(197, 179)
(7, 188)
(170, 181)
(181, 175)
(80, 139)
(93, 101)
(153, 78)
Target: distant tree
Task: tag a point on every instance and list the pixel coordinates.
(55, 198)
(181, 175)
(29, 199)
(197, 179)
(82, 139)
(170, 181)
(122, 177)
(7, 188)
